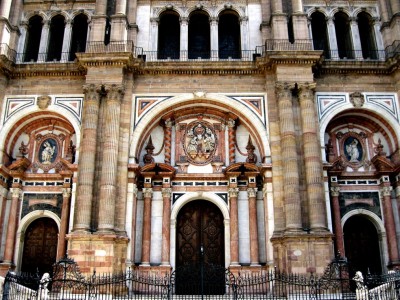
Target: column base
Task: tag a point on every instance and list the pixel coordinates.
(5, 267)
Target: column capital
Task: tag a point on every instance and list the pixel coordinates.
(214, 20)
(397, 190)
(385, 191)
(252, 192)
(166, 192)
(233, 192)
(16, 193)
(147, 192)
(183, 20)
(335, 191)
(284, 89)
(115, 92)
(92, 91)
(66, 192)
(134, 190)
(306, 90)
(154, 20)
(231, 123)
(243, 19)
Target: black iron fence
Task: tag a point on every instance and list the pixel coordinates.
(194, 282)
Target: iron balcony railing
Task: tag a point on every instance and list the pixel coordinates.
(212, 55)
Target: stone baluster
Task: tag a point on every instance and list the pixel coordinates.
(312, 158)
(289, 157)
(108, 177)
(390, 226)
(166, 225)
(337, 224)
(87, 156)
(233, 215)
(13, 220)
(146, 235)
(252, 196)
(62, 243)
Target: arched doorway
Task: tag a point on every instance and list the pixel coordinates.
(362, 245)
(40, 246)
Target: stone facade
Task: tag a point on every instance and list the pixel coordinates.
(143, 133)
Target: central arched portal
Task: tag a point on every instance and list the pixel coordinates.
(200, 225)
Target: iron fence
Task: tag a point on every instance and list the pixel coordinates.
(212, 55)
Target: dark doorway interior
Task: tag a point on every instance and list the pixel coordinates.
(40, 246)
(362, 245)
(199, 35)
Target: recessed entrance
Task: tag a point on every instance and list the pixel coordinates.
(200, 246)
(362, 245)
(40, 246)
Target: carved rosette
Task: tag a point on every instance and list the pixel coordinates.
(199, 142)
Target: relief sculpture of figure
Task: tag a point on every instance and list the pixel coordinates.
(47, 153)
(352, 151)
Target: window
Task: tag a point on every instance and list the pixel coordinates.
(79, 35)
(33, 38)
(56, 38)
(367, 36)
(343, 35)
(319, 33)
(199, 35)
(228, 35)
(168, 36)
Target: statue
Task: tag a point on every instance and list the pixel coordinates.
(352, 151)
(148, 157)
(359, 279)
(43, 290)
(47, 153)
(251, 156)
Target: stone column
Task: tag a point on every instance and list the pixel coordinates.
(233, 215)
(108, 177)
(337, 223)
(5, 8)
(312, 158)
(13, 220)
(378, 39)
(184, 42)
(22, 41)
(66, 41)
(244, 33)
(166, 226)
(3, 206)
(355, 36)
(385, 191)
(44, 40)
(214, 38)
(62, 242)
(252, 195)
(146, 235)
(154, 36)
(87, 157)
(291, 191)
(333, 47)
(167, 141)
(231, 140)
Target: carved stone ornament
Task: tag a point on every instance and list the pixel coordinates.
(357, 99)
(199, 142)
(48, 152)
(43, 102)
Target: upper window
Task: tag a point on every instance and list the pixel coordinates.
(56, 38)
(367, 36)
(343, 35)
(33, 38)
(79, 35)
(228, 35)
(319, 33)
(199, 35)
(169, 36)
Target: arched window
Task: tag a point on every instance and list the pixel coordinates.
(79, 35)
(367, 36)
(56, 38)
(168, 36)
(199, 35)
(319, 33)
(228, 35)
(33, 38)
(343, 35)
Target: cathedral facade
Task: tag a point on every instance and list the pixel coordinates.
(249, 134)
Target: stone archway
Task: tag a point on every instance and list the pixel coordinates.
(361, 243)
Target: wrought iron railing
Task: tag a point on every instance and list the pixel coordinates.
(212, 55)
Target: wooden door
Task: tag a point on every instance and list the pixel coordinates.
(40, 246)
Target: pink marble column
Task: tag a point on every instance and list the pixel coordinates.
(146, 235)
(337, 223)
(233, 215)
(390, 225)
(252, 195)
(231, 140)
(16, 194)
(166, 226)
(62, 242)
(167, 140)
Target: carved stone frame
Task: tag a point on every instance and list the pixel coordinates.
(39, 140)
(361, 138)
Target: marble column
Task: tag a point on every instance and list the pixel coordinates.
(244, 33)
(184, 41)
(133, 222)
(23, 27)
(355, 36)
(214, 38)
(66, 41)
(87, 156)
(13, 220)
(252, 196)
(378, 38)
(312, 158)
(289, 157)
(333, 47)
(108, 176)
(389, 224)
(44, 40)
(167, 140)
(231, 140)
(166, 226)
(3, 206)
(337, 223)
(146, 235)
(5, 8)
(233, 215)
(62, 242)
(154, 36)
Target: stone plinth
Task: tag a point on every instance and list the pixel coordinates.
(103, 253)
